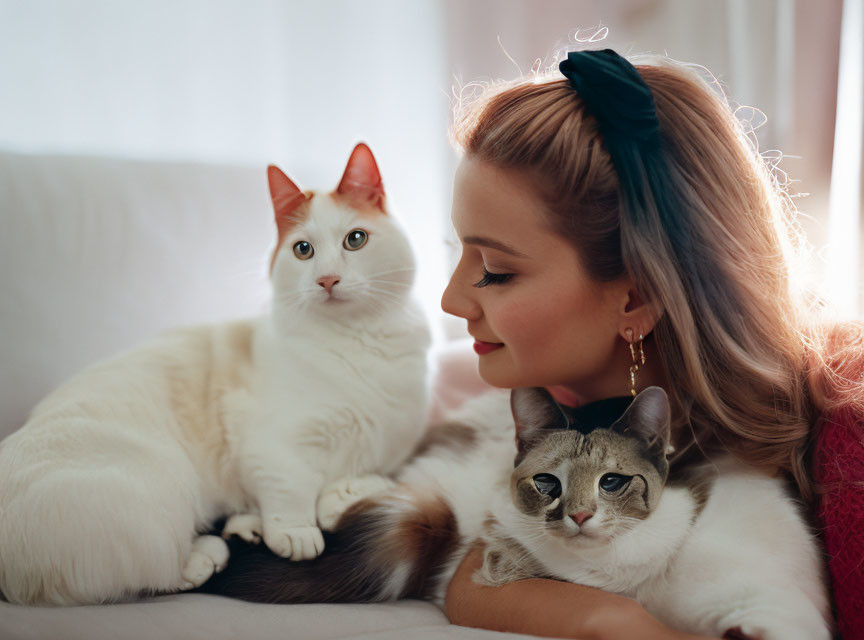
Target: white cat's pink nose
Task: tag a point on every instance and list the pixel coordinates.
(328, 282)
(581, 517)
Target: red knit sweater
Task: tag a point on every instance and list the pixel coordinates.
(839, 468)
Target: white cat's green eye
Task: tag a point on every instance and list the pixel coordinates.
(303, 250)
(355, 239)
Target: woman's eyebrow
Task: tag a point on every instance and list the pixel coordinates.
(492, 244)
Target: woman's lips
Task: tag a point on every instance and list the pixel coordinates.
(482, 348)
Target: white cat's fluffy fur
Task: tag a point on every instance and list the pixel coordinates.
(106, 488)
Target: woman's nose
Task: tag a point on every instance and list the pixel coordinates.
(456, 302)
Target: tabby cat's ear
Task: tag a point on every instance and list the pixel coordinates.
(648, 418)
(534, 412)
(361, 184)
(286, 199)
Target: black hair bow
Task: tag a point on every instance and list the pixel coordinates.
(614, 93)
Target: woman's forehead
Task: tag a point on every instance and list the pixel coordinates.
(497, 203)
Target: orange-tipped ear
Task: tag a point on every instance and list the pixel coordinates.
(286, 198)
(361, 183)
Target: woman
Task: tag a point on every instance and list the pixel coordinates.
(593, 229)
(618, 232)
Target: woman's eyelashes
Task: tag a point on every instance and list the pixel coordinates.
(493, 278)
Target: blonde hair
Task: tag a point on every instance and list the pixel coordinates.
(750, 367)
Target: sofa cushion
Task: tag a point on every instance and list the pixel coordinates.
(193, 616)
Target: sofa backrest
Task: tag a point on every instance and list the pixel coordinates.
(100, 254)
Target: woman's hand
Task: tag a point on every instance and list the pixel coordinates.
(550, 608)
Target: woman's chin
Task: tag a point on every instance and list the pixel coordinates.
(497, 373)
(504, 373)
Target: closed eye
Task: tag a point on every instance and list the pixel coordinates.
(493, 278)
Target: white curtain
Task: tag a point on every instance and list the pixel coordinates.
(843, 276)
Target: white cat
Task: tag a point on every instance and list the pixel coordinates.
(280, 421)
(720, 550)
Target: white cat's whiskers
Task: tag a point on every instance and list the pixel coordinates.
(390, 271)
(366, 286)
(393, 270)
(378, 289)
(379, 294)
(389, 283)
(294, 300)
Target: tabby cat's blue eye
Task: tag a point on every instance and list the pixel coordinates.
(303, 250)
(355, 239)
(547, 484)
(614, 482)
(493, 278)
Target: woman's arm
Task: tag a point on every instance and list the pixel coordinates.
(549, 608)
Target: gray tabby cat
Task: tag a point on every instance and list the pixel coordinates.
(725, 550)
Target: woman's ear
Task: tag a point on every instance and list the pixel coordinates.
(634, 313)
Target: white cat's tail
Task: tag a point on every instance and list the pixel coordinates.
(384, 548)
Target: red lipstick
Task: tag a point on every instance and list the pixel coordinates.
(482, 348)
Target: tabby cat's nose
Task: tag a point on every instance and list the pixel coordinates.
(581, 517)
(328, 282)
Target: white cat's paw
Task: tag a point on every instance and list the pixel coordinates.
(245, 525)
(209, 555)
(295, 543)
(338, 496)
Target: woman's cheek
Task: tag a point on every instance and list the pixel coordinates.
(517, 321)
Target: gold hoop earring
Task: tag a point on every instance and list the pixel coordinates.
(637, 360)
